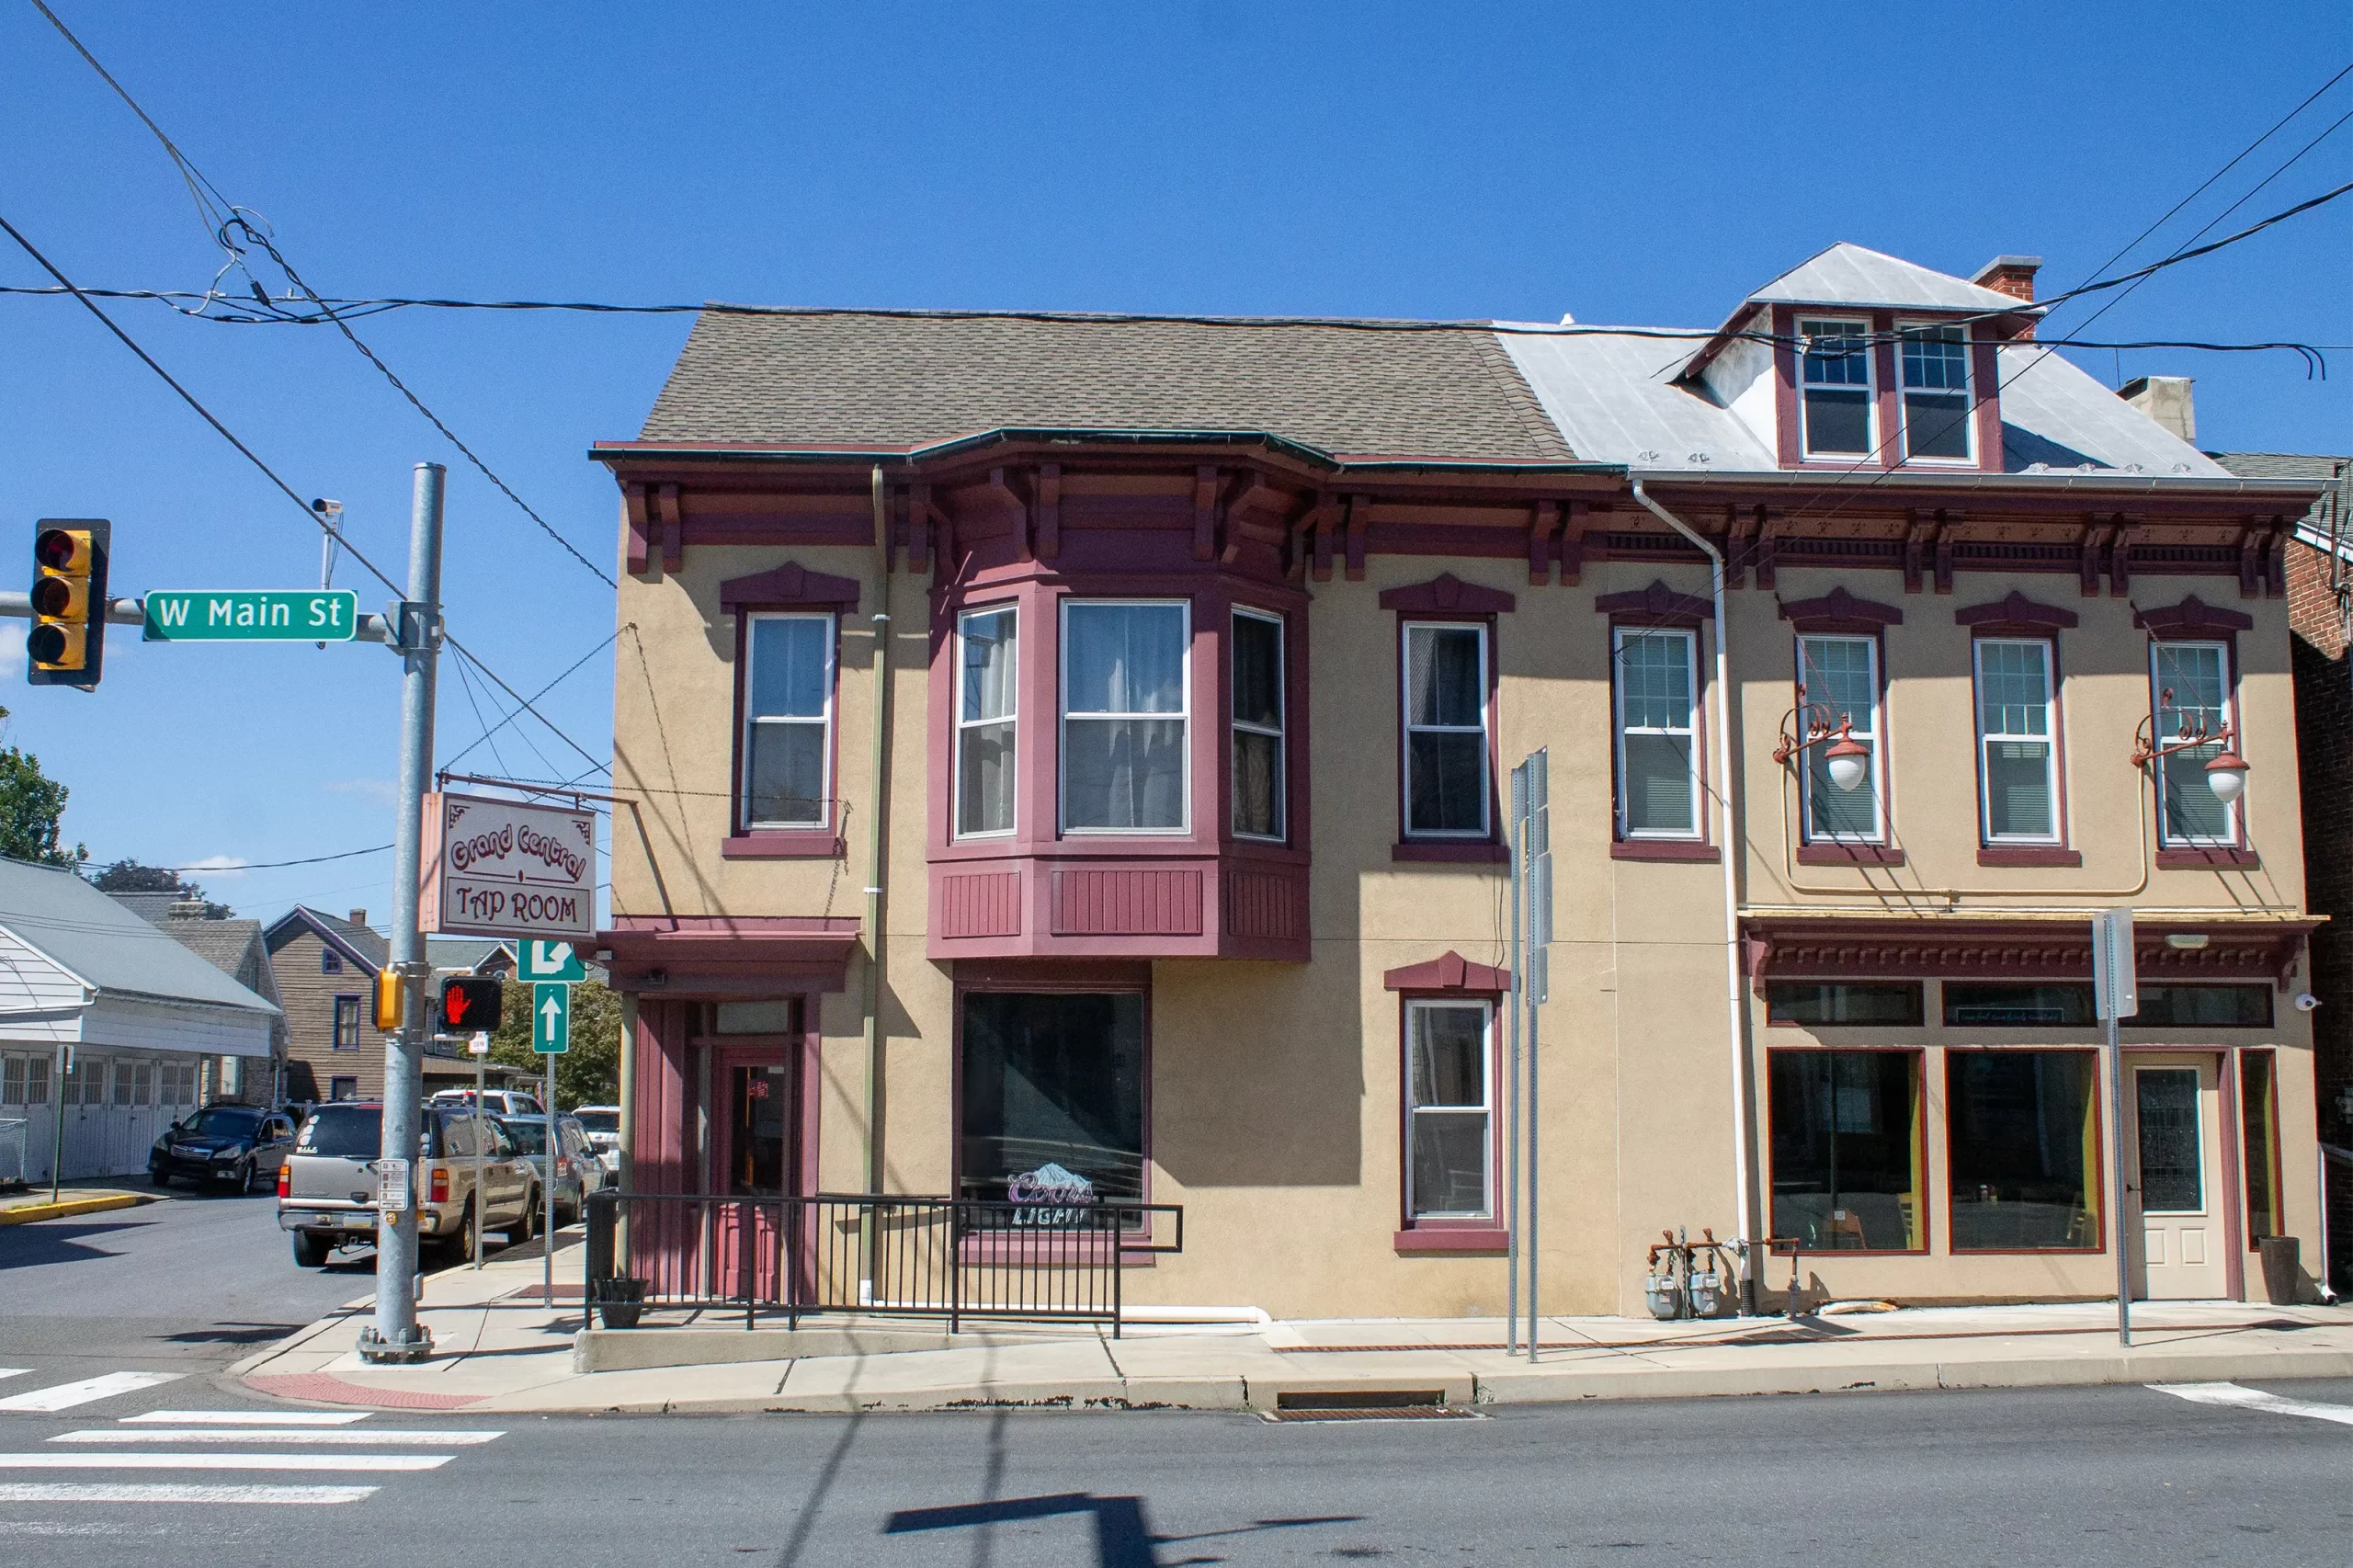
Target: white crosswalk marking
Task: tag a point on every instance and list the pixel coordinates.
(349, 1436)
(14, 1371)
(248, 1417)
(110, 1492)
(223, 1461)
(65, 1396)
(2239, 1398)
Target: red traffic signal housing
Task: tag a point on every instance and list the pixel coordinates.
(469, 1003)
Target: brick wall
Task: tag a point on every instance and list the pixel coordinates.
(2324, 684)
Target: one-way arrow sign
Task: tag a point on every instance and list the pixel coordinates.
(551, 1018)
(550, 960)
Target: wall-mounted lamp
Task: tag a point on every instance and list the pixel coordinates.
(2226, 772)
(1848, 761)
(2187, 941)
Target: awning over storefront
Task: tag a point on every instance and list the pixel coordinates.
(2038, 947)
(729, 955)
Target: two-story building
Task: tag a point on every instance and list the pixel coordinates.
(1182, 660)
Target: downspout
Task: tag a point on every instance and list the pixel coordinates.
(879, 766)
(1735, 1005)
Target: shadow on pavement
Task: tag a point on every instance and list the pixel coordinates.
(60, 1240)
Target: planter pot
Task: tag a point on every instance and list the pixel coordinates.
(621, 1302)
(2282, 1269)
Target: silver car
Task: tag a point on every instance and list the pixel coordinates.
(327, 1187)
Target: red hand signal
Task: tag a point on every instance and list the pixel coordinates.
(454, 1003)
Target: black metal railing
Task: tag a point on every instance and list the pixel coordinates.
(873, 1255)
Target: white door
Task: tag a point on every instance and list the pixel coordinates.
(2173, 1105)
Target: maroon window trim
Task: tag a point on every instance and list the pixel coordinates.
(1449, 978)
(2016, 621)
(2194, 621)
(1840, 613)
(1447, 600)
(2016, 615)
(2095, 1180)
(788, 588)
(1884, 850)
(1660, 609)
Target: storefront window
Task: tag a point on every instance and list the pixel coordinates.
(1053, 1098)
(1846, 1151)
(2019, 1006)
(1805, 1004)
(2260, 1125)
(2023, 1129)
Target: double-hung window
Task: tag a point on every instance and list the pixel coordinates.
(1839, 678)
(987, 665)
(1259, 782)
(2192, 684)
(1658, 758)
(1446, 729)
(346, 1023)
(1837, 391)
(1448, 1081)
(1935, 394)
(788, 721)
(2017, 762)
(1126, 694)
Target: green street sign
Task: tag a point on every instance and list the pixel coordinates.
(253, 615)
(549, 960)
(551, 1017)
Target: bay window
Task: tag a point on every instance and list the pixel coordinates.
(1659, 757)
(788, 721)
(1935, 361)
(986, 668)
(1839, 676)
(1449, 1111)
(2017, 757)
(1258, 761)
(1837, 391)
(1444, 704)
(1126, 694)
(2190, 683)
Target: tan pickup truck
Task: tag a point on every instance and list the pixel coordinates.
(327, 1187)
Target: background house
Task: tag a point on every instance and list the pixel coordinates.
(235, 948)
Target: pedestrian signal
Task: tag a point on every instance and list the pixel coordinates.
(470, 1004)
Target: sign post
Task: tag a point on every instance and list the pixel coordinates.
(551, 1037)
(2115, 994)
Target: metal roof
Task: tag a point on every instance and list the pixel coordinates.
(893, 381)
(106, 945)
(1850, 273)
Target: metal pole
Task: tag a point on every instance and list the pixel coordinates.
(1511, 1075)
(482, 1136)
(2117, 1188)
(57, 1128)
(547, 1192)
(1533, 1169)
(395, 1335)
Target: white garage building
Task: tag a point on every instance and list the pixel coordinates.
(108, 1022)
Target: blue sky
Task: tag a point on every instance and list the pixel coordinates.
(1630, 164)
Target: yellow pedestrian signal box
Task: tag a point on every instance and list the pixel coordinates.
(392, 999)
(67, 646)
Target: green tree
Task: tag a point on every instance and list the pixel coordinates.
(587, 1073)
(32, 805)
(130, 876)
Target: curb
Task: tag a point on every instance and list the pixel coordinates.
(26, 1213)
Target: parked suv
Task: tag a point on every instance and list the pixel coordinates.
(578, 1172)
(327, 1187)
(232, 1145)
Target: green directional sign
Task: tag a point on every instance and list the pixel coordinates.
(551, 1017)
(549, 960)
(253, 615)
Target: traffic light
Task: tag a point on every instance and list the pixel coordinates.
(470, 1004)
(68, 642)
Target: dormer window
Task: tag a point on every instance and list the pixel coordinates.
(1935, 394)
(1838, 388)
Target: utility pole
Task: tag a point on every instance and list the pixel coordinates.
(396, 1336)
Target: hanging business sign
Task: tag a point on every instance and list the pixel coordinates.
(504, 869)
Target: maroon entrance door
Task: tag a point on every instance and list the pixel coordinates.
(756, 1155)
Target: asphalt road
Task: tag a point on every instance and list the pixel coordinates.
(165, 1472)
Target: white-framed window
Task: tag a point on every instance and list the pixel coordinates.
(987, 671)
(12, 1080)
(1839, 678)
(1260, 782)
(1658, 752)
(1933, 362)
(1836, 391)
(1445, 720)
(1450, 1107)
(788, 719)
(37, 1069)
(2018, 754)
(1125, 700)
(2198, 674)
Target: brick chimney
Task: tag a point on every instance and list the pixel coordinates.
(2167, 400)
(2014, 276)
(360, 918)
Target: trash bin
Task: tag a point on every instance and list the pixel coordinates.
(620, 1301)
(2283, 1273)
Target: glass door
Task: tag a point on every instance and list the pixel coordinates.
(757, 1159)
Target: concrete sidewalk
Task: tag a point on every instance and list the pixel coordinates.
(501, 1348)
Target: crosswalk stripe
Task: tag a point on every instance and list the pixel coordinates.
(248, 1417)
(110, 1492)
(2233, 1396)
(223, 1461)
(14, 1371)
(65, 1396)
(353, 1436)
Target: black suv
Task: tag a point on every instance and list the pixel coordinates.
(233, 1145)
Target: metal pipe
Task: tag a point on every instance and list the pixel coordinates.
(879, 765)
(1735, 1007)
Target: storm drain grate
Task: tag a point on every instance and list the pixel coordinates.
(1368, 1404)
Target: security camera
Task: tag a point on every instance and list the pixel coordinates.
(2306, 1002)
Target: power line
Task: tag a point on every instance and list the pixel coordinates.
(263, 865)
(550, 686)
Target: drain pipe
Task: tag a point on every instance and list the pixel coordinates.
(879, 764)
(1735, 1006)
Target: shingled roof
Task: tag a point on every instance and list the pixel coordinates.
(894, 382)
